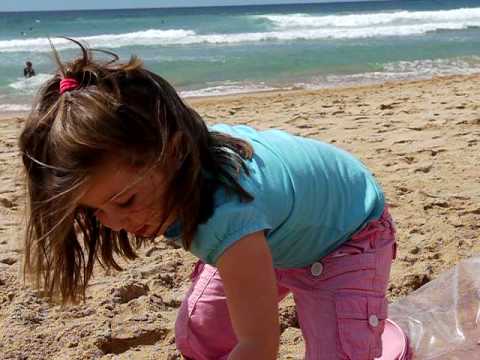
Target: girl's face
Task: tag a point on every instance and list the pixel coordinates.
(127, 197)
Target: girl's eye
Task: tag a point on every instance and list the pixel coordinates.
(127, 203)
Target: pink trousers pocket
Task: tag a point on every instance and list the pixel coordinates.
(360, 321)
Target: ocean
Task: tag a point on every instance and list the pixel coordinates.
(208, 51)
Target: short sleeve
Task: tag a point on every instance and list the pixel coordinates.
(229, 223)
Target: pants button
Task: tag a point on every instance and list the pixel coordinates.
(316, 269)
(373, 320)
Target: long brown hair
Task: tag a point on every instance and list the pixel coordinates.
(123, 108)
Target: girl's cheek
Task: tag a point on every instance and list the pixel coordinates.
(134, 212)
(141, 211)
(109, 221)
(150, 206)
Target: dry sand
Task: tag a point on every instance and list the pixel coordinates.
(421, 139)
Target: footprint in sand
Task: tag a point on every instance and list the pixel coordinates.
(304, 126)
(7, 203)
(8, 259)
(424, 168)
(128, 291)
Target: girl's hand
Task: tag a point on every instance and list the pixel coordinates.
(250, 285)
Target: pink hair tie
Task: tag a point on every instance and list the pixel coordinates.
(67, 84)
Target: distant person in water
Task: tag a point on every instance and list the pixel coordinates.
(28, 71)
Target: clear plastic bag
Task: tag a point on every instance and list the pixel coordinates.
(441, 318)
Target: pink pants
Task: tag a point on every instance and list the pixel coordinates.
(340, 301)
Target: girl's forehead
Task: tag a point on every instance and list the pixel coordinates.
(108, 182)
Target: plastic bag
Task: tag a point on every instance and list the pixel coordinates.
(441, 318)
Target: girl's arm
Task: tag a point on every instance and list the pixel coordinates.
(250, 285)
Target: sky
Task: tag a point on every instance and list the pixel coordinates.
(34, 5)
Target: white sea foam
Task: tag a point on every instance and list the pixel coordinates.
(285, 28)
(227, 88)
(29, 85)
(147, 37)
(435, 67)
(157, 38)
(463, 17)
(14, 108)
(400, 70)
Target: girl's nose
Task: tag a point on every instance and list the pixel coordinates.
(110, 220)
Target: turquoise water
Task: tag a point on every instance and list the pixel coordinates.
(219, 50)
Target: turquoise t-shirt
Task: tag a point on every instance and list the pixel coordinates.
(310, 197)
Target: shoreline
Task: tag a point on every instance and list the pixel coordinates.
(327, 90)
(198, 100)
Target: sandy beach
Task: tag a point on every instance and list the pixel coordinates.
(421, 139)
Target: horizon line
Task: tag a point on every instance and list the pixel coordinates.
(191, 7)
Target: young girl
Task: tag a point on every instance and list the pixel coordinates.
(113, 157)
